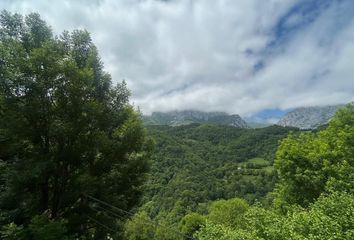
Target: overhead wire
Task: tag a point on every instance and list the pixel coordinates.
(101, 224)
(149, 222)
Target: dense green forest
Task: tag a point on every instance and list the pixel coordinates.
(211, 183)
(77, 163)
(195, 164)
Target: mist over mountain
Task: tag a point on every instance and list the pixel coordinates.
(302, 117)
(178, 118)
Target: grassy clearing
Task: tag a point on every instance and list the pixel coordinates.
(258, 161)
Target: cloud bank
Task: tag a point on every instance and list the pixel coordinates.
(234, 56)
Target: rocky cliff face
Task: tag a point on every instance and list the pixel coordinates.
(177, 118)
(308, 117)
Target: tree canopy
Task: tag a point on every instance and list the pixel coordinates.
(314, 198)
(196, 164)
(65, 131)
(313, 163)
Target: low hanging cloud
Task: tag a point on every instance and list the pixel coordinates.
(234, 56)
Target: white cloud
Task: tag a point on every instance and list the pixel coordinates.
(201, 54)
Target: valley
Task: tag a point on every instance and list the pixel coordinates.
(195, 164)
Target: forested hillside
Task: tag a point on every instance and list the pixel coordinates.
(195, 164)
(313, 198)
(178, 118)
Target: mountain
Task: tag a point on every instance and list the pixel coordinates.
(178, 118)
(264, 118)
(308, 117)
(197, 163)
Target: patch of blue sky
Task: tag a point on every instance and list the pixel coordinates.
(305, 12)
(271, 113)
(258, 66)
(302, 15)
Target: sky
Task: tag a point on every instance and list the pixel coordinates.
(247, 57)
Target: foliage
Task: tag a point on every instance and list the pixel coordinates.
(328, 218)
(65, 130)
(42, 228)
(221, 232)
(195, 164)
(316, 172)
(67, 135)
(12, 232)
(191, 223)
(313, 162)
(140, 227)
(227, 212)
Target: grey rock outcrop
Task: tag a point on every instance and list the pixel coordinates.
(308, 117)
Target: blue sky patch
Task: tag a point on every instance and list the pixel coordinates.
(299, 16)
(271, 113)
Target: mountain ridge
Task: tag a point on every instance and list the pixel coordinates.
(178, 118)
(303, 118)
(309, 117)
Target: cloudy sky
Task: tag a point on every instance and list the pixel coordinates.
(237, 56)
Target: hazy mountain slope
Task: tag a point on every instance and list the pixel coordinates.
(178, 118)
(308, 117)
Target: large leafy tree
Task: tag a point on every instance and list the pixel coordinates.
(312, 163)
(330, 217)
(65, 131)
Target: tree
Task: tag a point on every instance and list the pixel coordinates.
(140, 227)
(65, 130)
(330, 217)
(312, 163)
(227, 212)
(191, 223)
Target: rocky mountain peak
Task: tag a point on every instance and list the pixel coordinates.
(308, 117)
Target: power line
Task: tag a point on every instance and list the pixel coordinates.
(115, 215)
(132, 214)
(108, 210)
(101, 224)
(108, 205)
